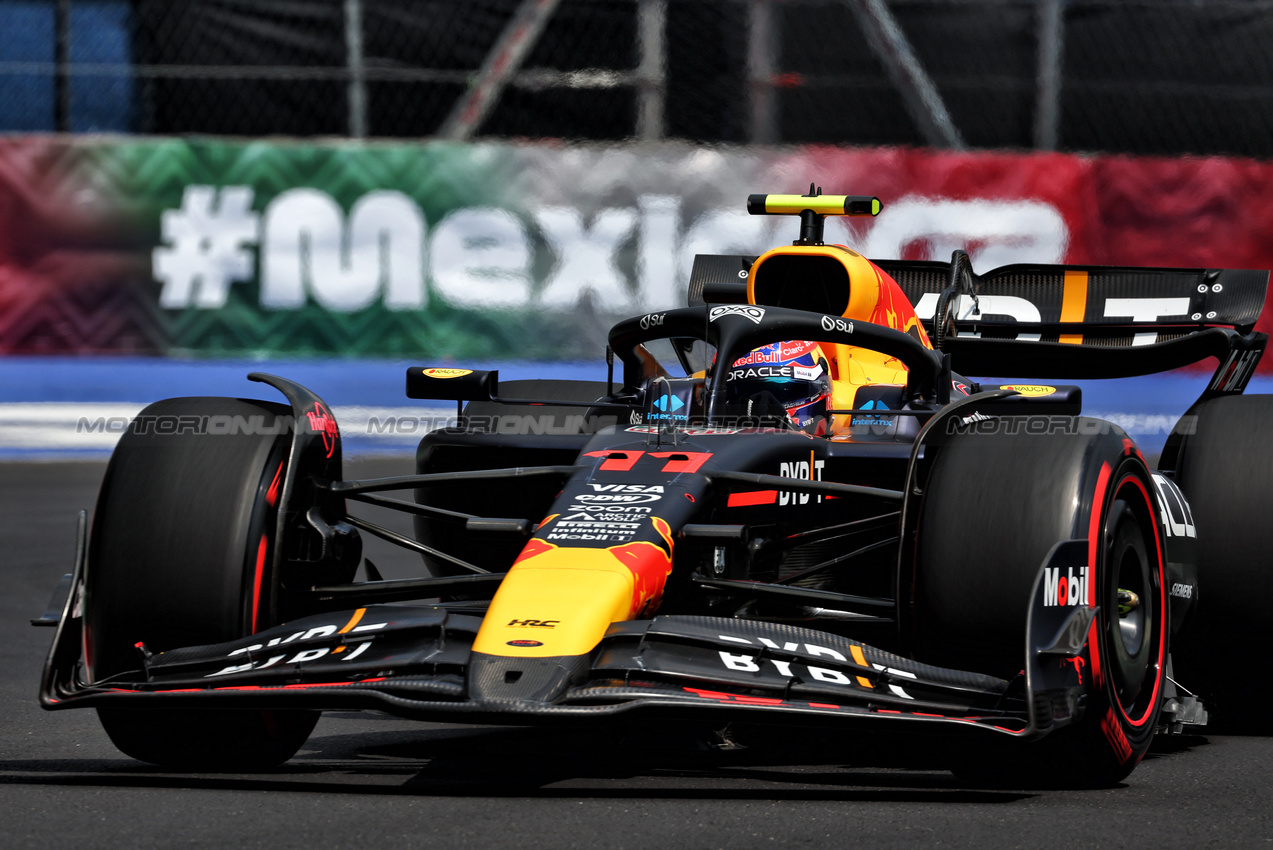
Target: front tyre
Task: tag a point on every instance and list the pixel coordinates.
(180, 554)
(994, 506)
(1127, 655)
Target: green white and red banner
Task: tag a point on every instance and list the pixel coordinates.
(517, 250)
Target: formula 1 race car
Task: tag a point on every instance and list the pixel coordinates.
(790, 509)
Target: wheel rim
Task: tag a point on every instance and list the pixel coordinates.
(1132, 606)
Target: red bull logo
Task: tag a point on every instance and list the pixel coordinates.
(779, 352)
(651, 564)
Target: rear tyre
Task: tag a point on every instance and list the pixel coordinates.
(993, 508)
(180, 555)
(1225, 469)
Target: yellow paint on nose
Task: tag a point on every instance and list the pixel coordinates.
(564, 599)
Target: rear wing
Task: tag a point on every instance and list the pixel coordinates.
(1071, 321)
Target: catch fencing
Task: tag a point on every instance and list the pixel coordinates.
(1163, 77)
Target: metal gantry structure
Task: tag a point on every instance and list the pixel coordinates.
(885, 37)
(462, 100)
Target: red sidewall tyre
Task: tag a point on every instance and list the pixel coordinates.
(180, 554)
(993, 507)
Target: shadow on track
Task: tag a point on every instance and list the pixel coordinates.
(631, 763)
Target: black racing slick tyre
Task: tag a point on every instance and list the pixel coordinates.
(1225, 470)
(994, 506)
(180, 554)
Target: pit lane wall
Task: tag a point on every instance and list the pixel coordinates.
(497, 250)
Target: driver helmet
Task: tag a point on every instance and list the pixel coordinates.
(794, 373)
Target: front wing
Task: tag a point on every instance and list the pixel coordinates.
(417, 662)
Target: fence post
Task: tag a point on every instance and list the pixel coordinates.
(921, 97)
(503, 61)
(652, 29)
(1047, 114)
(357, 86)
(761, 62)
(62, 58)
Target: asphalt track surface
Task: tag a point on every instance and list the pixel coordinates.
(368, 781)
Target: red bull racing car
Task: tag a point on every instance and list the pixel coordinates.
(791, 506)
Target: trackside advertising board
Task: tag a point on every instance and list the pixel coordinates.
(518, 250)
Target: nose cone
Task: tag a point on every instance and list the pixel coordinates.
(554, 607)
(558, 601)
